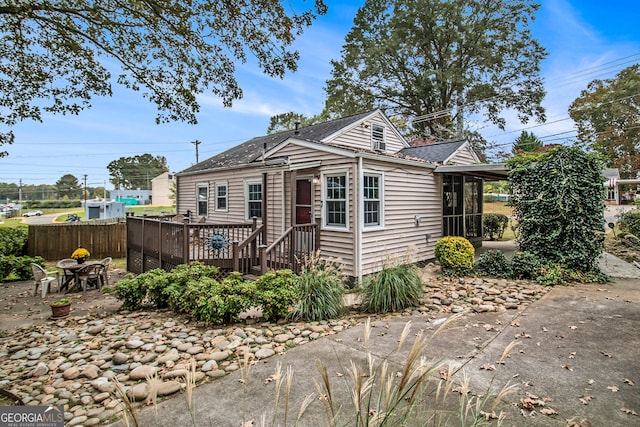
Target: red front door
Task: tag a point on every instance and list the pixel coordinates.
(303, 201)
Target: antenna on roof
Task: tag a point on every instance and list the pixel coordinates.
(264, 150)
(297, 129)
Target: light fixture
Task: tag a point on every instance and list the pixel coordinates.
(316, 180)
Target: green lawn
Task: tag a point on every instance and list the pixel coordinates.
(502, 208)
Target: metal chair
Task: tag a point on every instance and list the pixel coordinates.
(44, 278)
(90, 272)
(106, 262)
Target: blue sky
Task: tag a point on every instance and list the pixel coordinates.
(585, 41)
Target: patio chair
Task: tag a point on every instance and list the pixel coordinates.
(90, 273)
(104, 277)
(44, 278)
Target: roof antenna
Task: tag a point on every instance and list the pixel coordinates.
(297, 130)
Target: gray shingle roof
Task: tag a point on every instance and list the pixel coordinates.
(251, 150)
(438, 152)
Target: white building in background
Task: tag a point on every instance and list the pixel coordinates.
(161, 190)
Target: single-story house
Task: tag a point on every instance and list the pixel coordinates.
(375, 199)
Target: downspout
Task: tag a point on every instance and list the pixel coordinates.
(358, 220)
(283, 203)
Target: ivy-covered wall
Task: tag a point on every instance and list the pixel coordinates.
(558, 200)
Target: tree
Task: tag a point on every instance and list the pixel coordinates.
(607, 115)
(56, 55)
(136, 172)
(557, 199)
(69, 187)
(287, 121)
(526, 143)
(435, 61)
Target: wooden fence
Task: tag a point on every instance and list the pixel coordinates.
(106, 238)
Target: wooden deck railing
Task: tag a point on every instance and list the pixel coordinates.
(289, 250)
(245, 253)
(163, 243)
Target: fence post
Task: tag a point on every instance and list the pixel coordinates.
(263, 259)
(236, 258)
(185, 246)
(316, 242)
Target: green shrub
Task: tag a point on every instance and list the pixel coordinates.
(493, 263)
(392, 289)
(276, 293)
(559, 274)
(630, 222)
(320, 292)
(17, 267)
(455, 254)
(5, 266)
(131, 292)
(525, 265)
(494, 225)
(13, 241)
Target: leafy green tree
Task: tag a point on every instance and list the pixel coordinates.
(607, 115)
(56, 55)
(68, 186)
(136, 172)
(8, 190)
(287, 121)
(435, 61)
(557, 200)
(526, 143)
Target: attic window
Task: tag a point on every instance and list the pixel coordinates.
(377, 138)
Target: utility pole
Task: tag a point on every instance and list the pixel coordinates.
(20, 197)
(196, 143)
(85, 192)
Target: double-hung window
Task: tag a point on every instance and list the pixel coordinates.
(372, 199)
(336, 200)
(254, 199)
(222, 196)
(202, 195)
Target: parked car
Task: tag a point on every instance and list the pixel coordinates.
(32, 213)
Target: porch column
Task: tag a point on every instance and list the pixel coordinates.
(264, 208)
(294, 195)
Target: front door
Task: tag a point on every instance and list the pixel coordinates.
(303, 201)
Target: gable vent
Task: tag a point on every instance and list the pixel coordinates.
(377, 138)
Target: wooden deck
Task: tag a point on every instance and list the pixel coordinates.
(164, 243)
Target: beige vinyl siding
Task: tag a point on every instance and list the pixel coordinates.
(235, 179)
(408, 191)
(463, 156)
(336, 245)
(359, 137)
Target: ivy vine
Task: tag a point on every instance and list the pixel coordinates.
(557, 198)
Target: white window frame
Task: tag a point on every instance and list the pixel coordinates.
(218, 185)
(199, 212)
(247, 183)
(325, 216)
(380, 200)
(378, 144)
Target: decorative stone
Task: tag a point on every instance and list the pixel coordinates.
(138, 392)
(141, 372)
(263, 353)
(168, 387)
(120, 358)
(71, 373)
(40, 370)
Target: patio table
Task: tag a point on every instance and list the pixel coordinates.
(71, 281)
